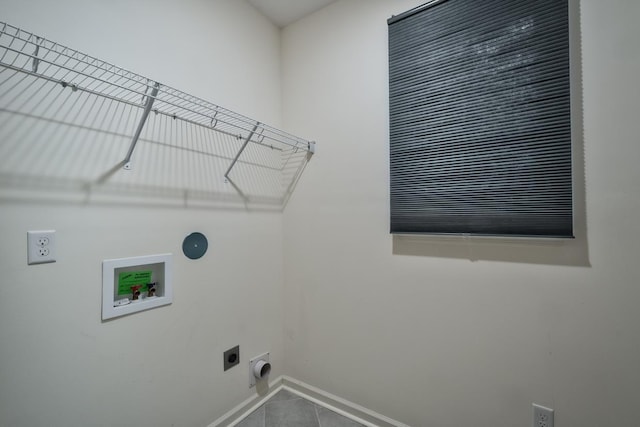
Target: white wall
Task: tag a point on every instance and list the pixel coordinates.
(446, 332)
(413, 329)
(60, 365)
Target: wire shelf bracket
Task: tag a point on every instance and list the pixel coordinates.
(244, 145)
(147, 109)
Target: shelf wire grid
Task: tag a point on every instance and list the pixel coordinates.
(68, 114)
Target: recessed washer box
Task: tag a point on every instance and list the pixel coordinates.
(135, 284)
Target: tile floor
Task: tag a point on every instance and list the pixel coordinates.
(286, 409)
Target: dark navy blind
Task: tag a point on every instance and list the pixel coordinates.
(480, 129)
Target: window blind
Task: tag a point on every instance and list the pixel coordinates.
(480, 129)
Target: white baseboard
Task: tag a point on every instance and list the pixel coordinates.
(241, 411)
(339, 405)
(320, 397)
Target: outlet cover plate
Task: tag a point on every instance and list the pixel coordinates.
(542, 417)
(41, 247)
(231, 357)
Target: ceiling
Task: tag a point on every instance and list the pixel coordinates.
(285, 12)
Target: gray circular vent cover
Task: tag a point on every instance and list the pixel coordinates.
(195, 245)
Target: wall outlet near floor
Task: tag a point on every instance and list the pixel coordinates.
(231, 357)
(41, 247)
(542, 417)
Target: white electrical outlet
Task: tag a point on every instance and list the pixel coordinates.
(41, 246)
(542, 417)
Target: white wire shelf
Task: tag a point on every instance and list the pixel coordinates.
(53, 95)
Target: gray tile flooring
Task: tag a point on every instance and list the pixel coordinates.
(286, 409)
